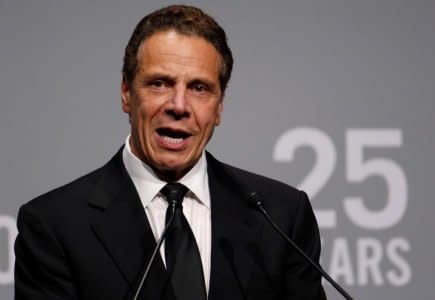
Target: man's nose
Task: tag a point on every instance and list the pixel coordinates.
(178, 106)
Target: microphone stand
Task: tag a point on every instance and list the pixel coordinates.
(156, 250)
(255, 199)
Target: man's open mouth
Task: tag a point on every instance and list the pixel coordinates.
(172, 136)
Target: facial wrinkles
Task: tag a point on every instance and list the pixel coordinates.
(183, 70)
(179, 61)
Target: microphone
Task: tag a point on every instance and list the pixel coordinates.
(256, 200)
(173, 204)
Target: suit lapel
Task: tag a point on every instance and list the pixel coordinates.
(236, 229)
(120, 224)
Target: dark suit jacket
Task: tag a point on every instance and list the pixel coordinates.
(90, 239)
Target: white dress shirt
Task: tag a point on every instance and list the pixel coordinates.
(196, 203)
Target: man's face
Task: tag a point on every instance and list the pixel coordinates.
(174, 102)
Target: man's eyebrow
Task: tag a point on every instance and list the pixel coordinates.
(169, 78)
(160, 76)
(204, 79)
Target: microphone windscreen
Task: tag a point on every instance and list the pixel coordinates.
(255, 200)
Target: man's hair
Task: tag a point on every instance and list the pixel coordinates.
(187, 20)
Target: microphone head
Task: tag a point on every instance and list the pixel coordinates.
(255, 200)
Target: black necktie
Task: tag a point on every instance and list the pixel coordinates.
(183, 261)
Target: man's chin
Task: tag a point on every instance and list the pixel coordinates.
(172, 170)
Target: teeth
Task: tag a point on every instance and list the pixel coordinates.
(172, 140)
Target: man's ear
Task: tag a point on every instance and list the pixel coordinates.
(220, 109)
(125, 97)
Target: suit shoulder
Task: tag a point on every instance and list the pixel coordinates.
(67, 195)
(252, 181)
(78, 191)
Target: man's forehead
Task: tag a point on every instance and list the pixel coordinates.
(172, 33)
(174, 47)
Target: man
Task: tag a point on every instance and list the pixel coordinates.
(94, 237)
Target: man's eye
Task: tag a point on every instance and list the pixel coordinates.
(158, 83)
(199, 87)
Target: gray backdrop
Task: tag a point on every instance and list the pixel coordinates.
(336, 97)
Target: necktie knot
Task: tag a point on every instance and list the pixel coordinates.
(174, 192)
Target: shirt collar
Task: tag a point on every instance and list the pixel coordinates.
(148, 184)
